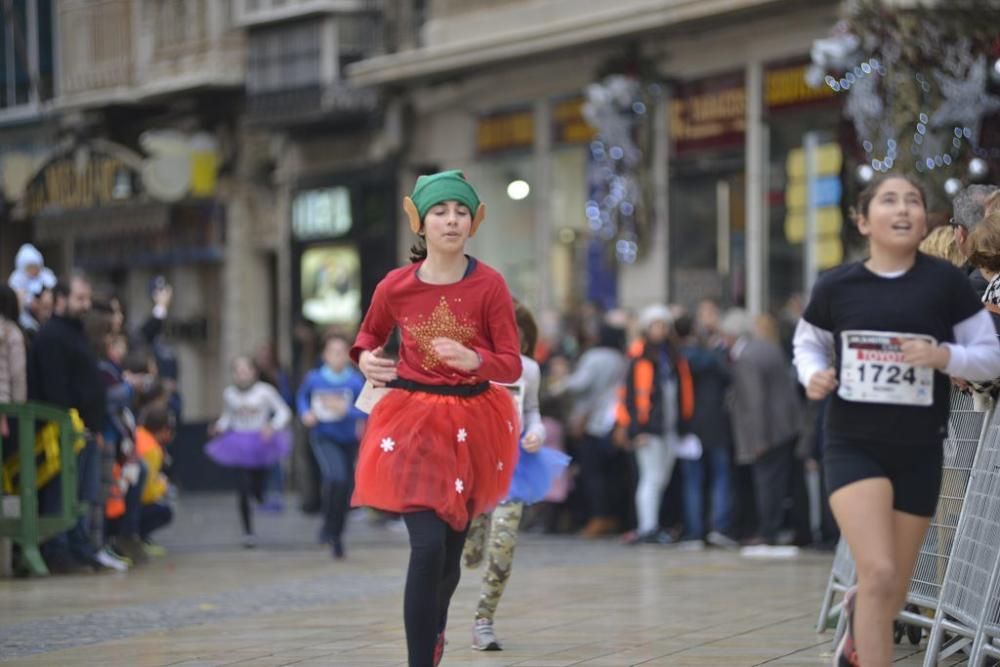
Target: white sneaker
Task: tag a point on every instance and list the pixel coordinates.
(110, 561)
(717, 539)
(769, 551)
(249, 541)
(483, 638)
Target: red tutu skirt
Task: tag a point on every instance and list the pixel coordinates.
(453, 455)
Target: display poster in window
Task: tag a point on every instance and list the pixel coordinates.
(331, 285)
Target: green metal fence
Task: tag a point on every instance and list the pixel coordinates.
(19, 516)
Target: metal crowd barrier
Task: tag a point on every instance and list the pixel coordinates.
(967, 428)
(968, 607)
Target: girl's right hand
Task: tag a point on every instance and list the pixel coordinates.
(531, 443)
(821, 384)
(377, 369)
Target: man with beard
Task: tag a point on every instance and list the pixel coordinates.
(63, 371)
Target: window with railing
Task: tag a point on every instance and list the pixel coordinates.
(26, 66)
(179, 22)
(285, 57)
(358, 36)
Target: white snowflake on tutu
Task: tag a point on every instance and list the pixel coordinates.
(462, 435)
(499, 465)
(459, 486)
(388, 444)
(510, 426)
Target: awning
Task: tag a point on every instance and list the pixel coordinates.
(104, 222)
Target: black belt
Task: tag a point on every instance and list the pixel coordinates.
(463, 390)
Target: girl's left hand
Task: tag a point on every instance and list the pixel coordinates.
(456, 355)
(923, 354)
(532, 443)
(266, 433)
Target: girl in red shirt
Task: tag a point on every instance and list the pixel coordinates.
(441, 445)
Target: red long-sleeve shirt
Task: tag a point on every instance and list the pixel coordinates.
(477, 311)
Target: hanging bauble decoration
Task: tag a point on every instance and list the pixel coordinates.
(952, 186)
(978, 169)
(864, 173)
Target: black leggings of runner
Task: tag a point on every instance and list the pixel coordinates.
(431, 580)
(251, 485)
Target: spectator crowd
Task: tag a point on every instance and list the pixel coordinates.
(684, 421)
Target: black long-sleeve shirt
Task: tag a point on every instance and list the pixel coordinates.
(63, 371)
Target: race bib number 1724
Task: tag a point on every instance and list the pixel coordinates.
(872, 370)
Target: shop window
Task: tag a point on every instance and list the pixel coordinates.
(786, 252)
(285, 57)
(25, 25)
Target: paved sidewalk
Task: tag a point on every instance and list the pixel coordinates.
(570, 602)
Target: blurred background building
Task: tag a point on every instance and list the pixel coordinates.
(254, 152)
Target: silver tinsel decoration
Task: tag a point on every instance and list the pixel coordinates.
(966, 100)
(614, 107)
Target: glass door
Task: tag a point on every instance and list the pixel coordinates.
(707, 225)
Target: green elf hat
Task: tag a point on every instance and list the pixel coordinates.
(443, 186)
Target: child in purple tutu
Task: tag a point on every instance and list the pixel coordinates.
(493, 536)
(250, 435)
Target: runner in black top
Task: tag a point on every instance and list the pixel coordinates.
(885, 334)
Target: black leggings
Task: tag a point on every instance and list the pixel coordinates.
(251, 484)
(431, 580)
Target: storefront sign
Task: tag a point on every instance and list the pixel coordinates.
(709, 114)
(568, 124)
(507, 130)
(318, 214)
(787, 87)
(88, 181)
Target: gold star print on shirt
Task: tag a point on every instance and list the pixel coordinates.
(443, 323)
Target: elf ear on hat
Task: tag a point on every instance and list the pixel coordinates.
(439, 187)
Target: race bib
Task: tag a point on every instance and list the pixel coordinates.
(872, 370)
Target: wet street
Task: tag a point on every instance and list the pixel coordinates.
(570, 602)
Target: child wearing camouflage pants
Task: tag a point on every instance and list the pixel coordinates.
(493, 536)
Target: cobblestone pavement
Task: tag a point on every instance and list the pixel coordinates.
(570, 602)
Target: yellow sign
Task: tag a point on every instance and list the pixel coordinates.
(569, 125)
(787, 86)
(204, 173)
(829, 161)
(829, 221)
(829, 252)
(505, 131)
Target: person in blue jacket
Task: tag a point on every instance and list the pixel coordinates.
(326, 406)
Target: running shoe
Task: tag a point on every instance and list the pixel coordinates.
(483, 637)
(109, 561)
(846, 654)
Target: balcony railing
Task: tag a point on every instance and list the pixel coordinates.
(95, 46)
(195, 43)
(335, 103)
(258, 12)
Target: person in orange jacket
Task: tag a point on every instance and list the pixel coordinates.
(155, 433)
(656, 404)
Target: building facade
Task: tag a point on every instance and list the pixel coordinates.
(497, 87)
